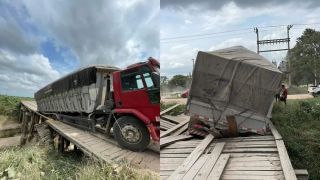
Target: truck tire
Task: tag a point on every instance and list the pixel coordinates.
(131, 133)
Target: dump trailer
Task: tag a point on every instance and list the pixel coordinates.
(232, 92)
(123, 103)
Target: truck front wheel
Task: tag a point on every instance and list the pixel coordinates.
(131, 133)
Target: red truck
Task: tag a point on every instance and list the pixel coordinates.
(125, 103)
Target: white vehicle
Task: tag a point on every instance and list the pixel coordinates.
(314, 90)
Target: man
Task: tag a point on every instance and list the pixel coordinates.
(283, 94)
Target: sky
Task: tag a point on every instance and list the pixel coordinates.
(41, 41)
(181, 19)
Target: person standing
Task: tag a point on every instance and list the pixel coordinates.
(283, 94)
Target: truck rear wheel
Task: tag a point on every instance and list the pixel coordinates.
(131, 133)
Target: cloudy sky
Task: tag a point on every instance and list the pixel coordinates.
(42, 40)
(188, 26)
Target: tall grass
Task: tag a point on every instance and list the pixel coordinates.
(9, 105)
(36, 162)
(299, 125)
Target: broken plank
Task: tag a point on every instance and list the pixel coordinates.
(211, 161)
(176, 127)
(191, 159)
(168, 109)
(172, 139)
(181, 130)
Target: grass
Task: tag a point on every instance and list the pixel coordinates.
(35, 162)
(299, 125)
(9, 107)
(297, 90)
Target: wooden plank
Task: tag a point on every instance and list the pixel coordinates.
(302, 174)
(177, 151)
(218, 168)
(287, 168)
(176, 127)
(274, 131)
(256, 168)
(253, 158)
(253, 164)
(173, 119)
(196, 167)
(251, 177)
(171, 160)
(173, 155)
(168, 109)
(283, 154)
(211, 161)
(171, 139)
(191, 159)
(181, 130)
(254, 150)
(250, 173)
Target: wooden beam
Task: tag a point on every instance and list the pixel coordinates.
(168, 109)
(211, 161)
(219, 167)
(191, 159)
(286, 165)
(172, 139)
(274, 131)
(181, 130)
(176, 127)
(302, 174)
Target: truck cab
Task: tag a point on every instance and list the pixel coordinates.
(137, 104)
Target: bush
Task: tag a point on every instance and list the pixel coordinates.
(299, 125)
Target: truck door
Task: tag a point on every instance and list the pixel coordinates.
(134, 94)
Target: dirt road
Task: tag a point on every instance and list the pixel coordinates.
(184, 100)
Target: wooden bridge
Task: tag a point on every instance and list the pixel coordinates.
(92, 144)
(255, 157)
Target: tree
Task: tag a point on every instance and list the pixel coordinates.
(305, 58)
(179, 81)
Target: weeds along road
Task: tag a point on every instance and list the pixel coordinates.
(184, 100)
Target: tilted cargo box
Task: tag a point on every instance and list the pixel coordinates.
(82, 91)
(237, 82)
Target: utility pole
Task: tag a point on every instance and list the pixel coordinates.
(257, 32)
(192, 66)
(276, 41)
(289, 64)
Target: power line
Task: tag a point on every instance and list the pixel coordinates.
(208, 37)
(229, 31)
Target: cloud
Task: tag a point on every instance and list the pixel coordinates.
(38, 36)
(217, 4)
(103, 32)
(13, 38)
(24, 74)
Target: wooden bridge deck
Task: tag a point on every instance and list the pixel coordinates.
(241, 158)
(96, 145)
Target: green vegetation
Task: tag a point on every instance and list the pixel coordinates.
(299, 125)
(34, 162)
(305, 58)
(298, 90)
(9, 105)
(176, 111)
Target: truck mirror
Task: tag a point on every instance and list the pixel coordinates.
(156, 78)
